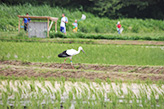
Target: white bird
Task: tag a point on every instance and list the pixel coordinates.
(69, 53)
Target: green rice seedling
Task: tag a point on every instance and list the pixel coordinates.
(143, 97)
(2, 77)
(58, 96)
(96, 96)
(97, 80)
(17, 99)
(52, 83)
(73, 80)
(62, 88)
(8, 87)
(148, 81)
(26, 77)
(4, 99)
(56, 105)
(155, 91)
(34, 101)
(21, 82)
(63, 79)
(70, 96)
(67, 104)
(160, 83)
(43, 83)
(13, 83)
(91, 90)
(84, 97)
(20, 90)
(160, 100)
(79, 103)
(120, 92)
(108, 80)
(8, 81)
(153, 100)
(39, 79)
(39, 90)
(74, 91)
(48, 100)
(86, 105)
(50, 105)
(13, 77)
(27, 89)
(102, 98)
(49, 90)
(134, 104)
(32, 87)
(114, 99)
(130, 95)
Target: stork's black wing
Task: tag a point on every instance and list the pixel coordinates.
(63, 54)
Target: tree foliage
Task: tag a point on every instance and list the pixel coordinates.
(106, 8)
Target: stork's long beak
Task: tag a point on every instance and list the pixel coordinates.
(83, 51)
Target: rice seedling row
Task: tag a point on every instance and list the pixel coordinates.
(22, 93)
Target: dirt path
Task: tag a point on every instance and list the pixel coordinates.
(89, 71)
(131, 42)
(91, 41)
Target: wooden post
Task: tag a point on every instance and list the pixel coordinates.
(56, 25)
(19, 25)
(48, 28)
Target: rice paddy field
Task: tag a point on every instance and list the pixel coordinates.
(107, 76)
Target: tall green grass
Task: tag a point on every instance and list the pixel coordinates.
(95, 54)
(92, 24)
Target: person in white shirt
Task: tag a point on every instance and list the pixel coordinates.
(64, 20)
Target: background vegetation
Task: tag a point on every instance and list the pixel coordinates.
(106, 8)
(95, 27)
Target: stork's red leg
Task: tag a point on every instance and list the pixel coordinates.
(63, 63)
(72, 64)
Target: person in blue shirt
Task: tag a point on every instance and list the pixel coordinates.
(26, 21)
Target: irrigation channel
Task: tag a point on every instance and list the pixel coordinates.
(24, 93)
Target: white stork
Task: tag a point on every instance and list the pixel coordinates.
(69, 53)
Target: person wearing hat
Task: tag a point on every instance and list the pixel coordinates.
(75, 26)
(119, 29)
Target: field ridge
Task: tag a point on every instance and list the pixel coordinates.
(91, 72)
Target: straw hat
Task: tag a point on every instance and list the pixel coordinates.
(118, 22)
